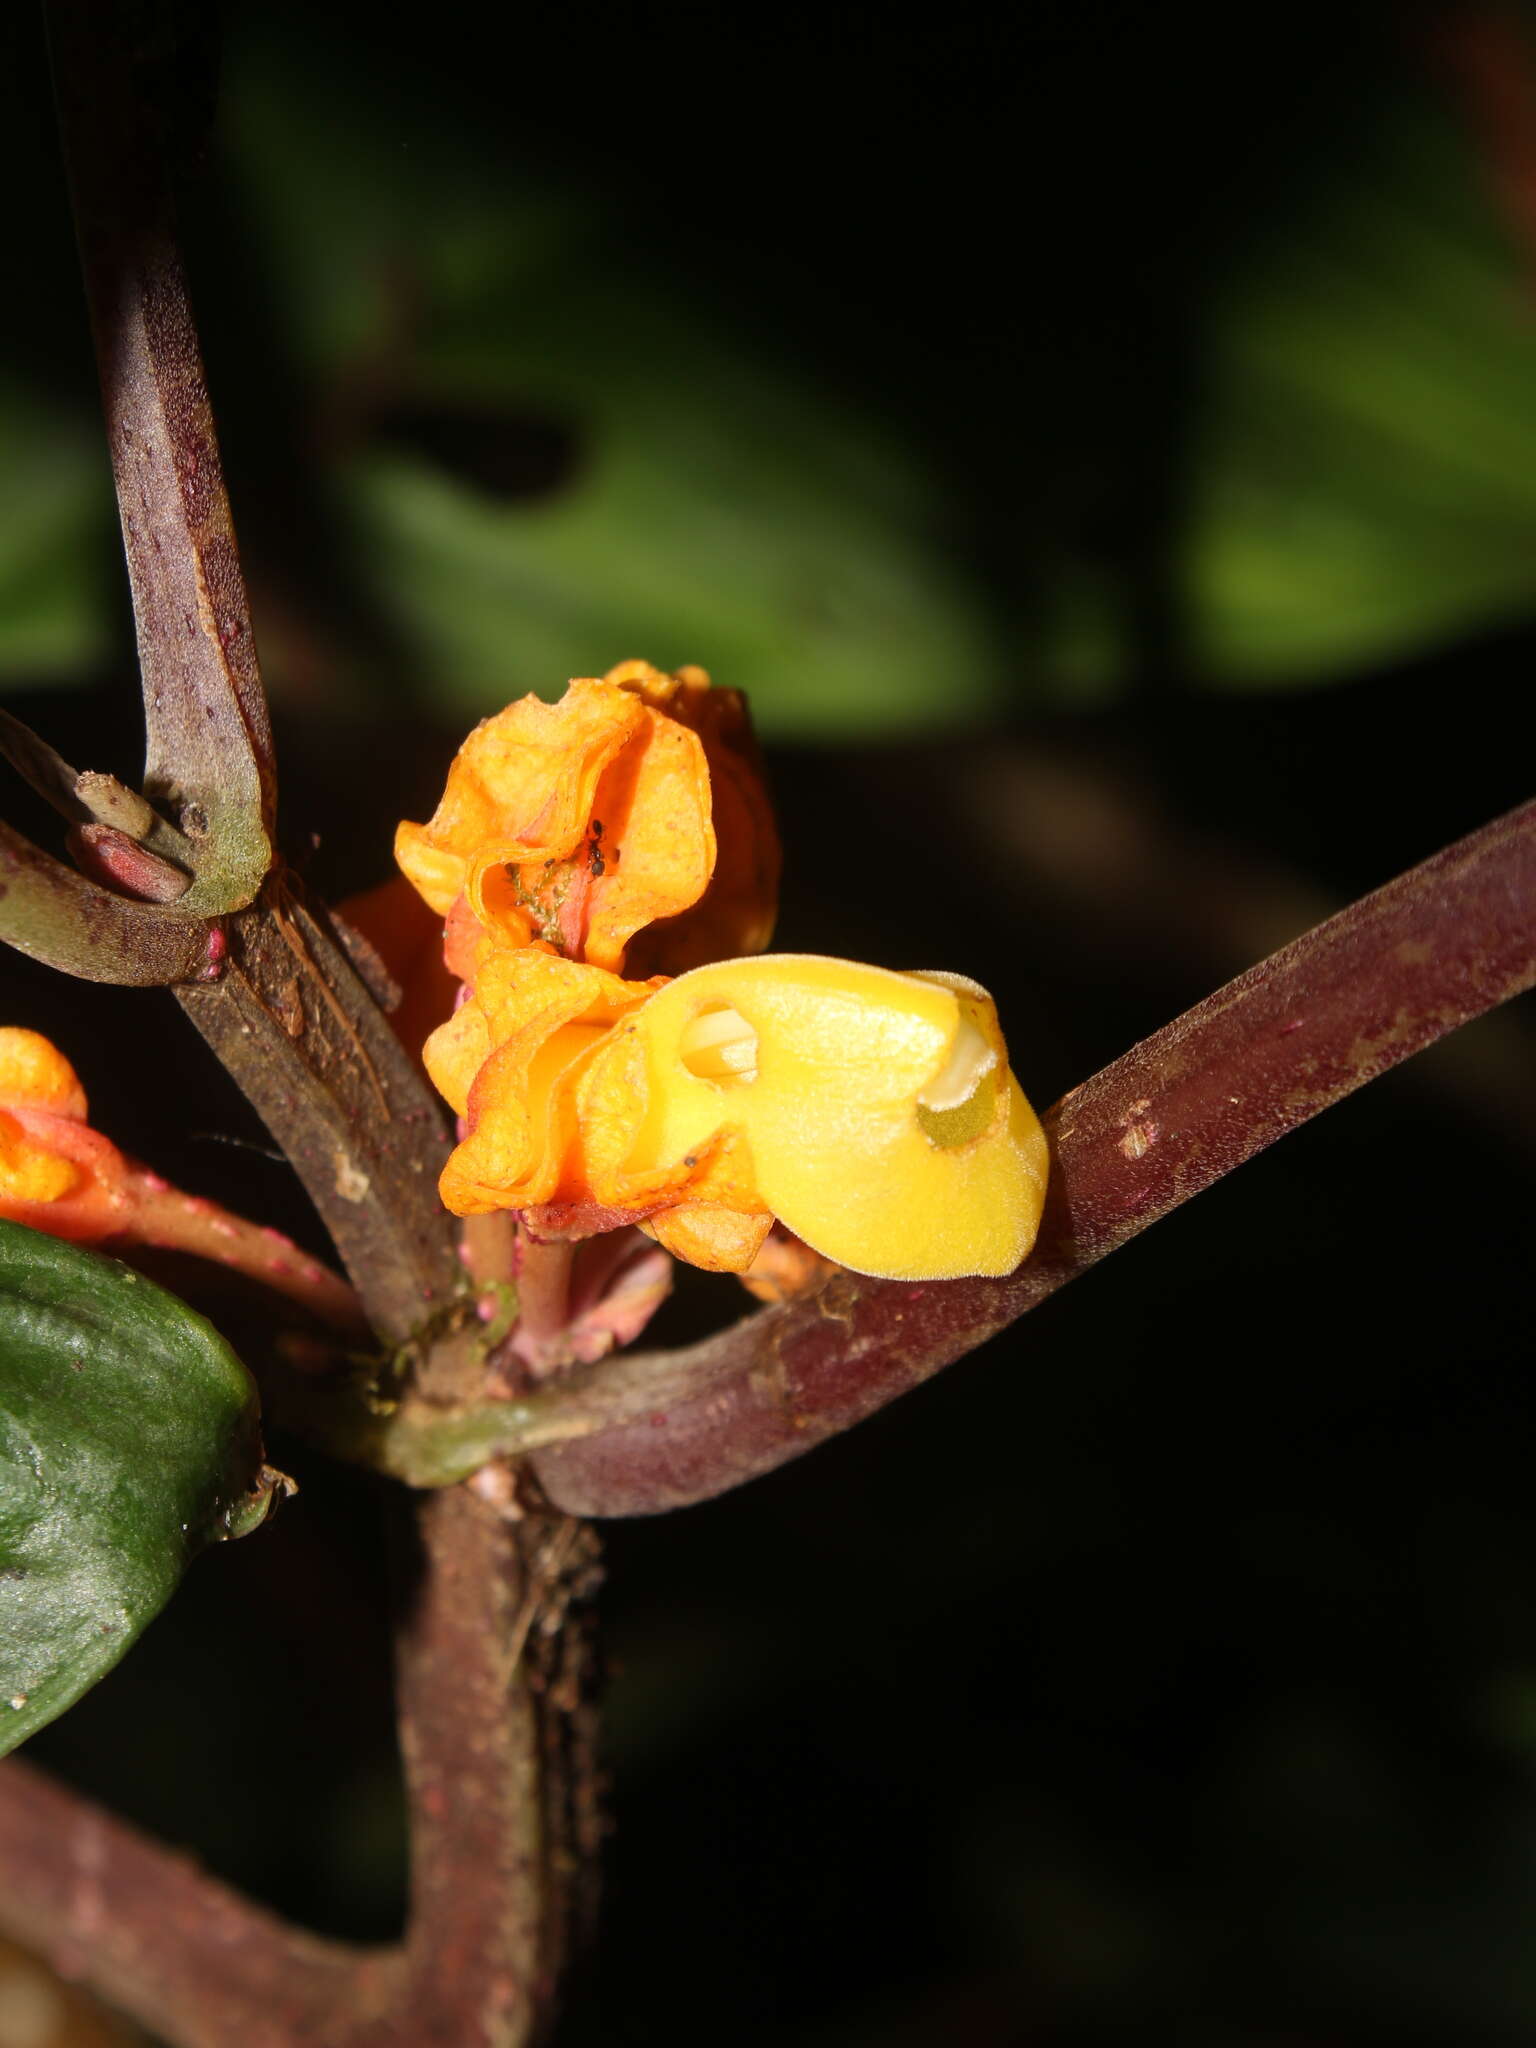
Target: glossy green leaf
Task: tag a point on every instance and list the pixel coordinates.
(129, 1439)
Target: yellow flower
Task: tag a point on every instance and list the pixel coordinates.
(635, 801)
(581, 845)
(872, 1113)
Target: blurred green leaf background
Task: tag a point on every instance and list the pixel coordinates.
(554, 390)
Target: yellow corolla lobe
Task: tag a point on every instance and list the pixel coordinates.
(871, 1112)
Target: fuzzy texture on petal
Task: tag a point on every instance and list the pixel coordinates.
(831, 1118)
(584, 822)
(508, 1060)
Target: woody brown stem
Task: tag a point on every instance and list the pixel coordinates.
(274, 996)
(147, 1929)
(496, 1740)
(496, 1729)
(309, 1046)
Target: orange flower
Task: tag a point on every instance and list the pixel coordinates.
(59, 1176)
(872, 1113)
(635, 801)
(625, 828)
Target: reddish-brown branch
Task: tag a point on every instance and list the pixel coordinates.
(494, 1732)
(149, 1930)
(1375, 984)
(544, 1279)
(61, 918)
(271, 992)
(306, 1042)
(492, 1726)
(122, 77)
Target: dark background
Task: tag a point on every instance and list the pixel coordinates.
(1167, 1669)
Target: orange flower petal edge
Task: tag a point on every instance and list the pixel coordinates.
(407, 938)
(584, 822)
(507, 1061)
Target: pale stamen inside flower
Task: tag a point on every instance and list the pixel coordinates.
(958, 1102)
(970, 1059)
(719, 1045)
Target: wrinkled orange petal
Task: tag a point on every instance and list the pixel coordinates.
(735, 914)
(656, 849)
(505, 1060)
(622, 1113)
(455, 1053)
(635, 802)
(520, 790)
